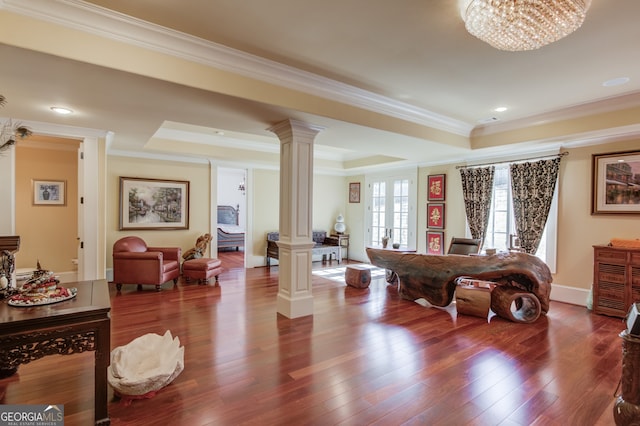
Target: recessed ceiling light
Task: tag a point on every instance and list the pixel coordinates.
(487, 120)
(61, 110)
(616, 81)
(500, 109)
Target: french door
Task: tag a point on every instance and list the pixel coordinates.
(391, 209)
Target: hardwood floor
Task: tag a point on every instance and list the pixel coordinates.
(364, 357)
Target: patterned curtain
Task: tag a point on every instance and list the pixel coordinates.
(477, 189)
(532, 186)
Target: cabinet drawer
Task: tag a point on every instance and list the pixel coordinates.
(635, 258)
(635, 276)
(611, 307)
(612, 273)
(616, 256)
(611, 290)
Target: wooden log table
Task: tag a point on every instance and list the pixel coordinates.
(434, 278)
(73, 326)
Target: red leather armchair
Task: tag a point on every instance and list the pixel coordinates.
(135, 263)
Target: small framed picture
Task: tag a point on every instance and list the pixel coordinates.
(616, 183)
(435, 215)
(49, 192)
(436, 187)
(435, 242)
(354, 192)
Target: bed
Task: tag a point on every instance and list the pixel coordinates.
(230, 234)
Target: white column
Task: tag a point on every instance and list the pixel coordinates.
(295, 298)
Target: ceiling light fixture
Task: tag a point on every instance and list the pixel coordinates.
(517, 25)
(616, 82)
(61, 110)
(500, 109)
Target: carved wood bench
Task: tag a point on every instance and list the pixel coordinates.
(324, 246)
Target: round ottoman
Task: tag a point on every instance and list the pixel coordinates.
(358, 276)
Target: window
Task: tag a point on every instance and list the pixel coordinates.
(502, 222)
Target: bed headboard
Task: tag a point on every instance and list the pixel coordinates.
(228, 215)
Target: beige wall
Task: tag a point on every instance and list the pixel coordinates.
(199, 210)
(354, 218)
(329, 200)
(266, 204)
(47, 233)
(578, 230)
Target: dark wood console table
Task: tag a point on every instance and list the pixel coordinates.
(77, 325)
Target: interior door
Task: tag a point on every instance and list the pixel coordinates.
(81, 213)
(391, 206)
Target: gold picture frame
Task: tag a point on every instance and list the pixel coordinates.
(615, 178)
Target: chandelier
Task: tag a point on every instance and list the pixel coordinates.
(516, 25)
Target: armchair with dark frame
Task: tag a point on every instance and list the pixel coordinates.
(465, 246)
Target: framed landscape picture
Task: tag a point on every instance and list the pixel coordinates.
(436, 187)
(435, 242)
(616, 183)
(153, 204)
(435, 215)
(49, 192)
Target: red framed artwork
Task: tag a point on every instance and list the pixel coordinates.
(435, 242)
(436, 187)
(435, 215)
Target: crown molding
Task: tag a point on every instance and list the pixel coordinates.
(89, 18)
(59, 130)
(614, 103)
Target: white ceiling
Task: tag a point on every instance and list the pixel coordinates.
(412, 61)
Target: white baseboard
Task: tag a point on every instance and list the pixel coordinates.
(67, 277)
(572, 295)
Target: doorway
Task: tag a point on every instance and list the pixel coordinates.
(47, 227)
(391, 206)
(232, 216)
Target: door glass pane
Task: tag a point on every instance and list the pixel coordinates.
(378, 218)
(400, 212)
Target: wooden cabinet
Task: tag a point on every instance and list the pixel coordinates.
(616, 279)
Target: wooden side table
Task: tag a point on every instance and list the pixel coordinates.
(343, 242)
(73, 326)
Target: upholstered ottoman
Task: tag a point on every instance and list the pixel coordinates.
(201, 269)
(357, 276)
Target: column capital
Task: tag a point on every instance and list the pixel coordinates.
(286, 128)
